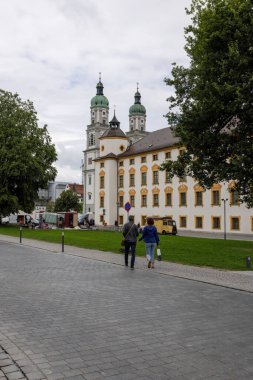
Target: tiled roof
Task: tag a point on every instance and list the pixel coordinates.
(113, 132)
(78, 189)
(163, 138)
(109, 155)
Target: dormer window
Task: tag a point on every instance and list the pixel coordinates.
(132, 121)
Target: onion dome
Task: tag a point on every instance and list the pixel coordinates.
(99, 100)
(137, 107)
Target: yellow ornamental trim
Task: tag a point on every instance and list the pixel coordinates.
(155, 190)
(231, 185)
(155, 167)
(198, 188)
(121, 193)
(168, 189)
(102, 173)
(132, 171)
(132, 192)
(144, 168)
(144, 191)
(182, 188)
(216, 186)
(101, 193)
(121, 171)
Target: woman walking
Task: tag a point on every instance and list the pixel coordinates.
(151, 239)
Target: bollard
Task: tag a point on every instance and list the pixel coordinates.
(20, 235)
(62, 241)
(248, 262)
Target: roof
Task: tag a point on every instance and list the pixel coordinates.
(109, 155)
(78, 189)
(163, 138)
(113, 132)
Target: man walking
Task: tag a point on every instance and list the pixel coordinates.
(130, 233)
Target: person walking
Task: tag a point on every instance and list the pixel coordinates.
(151, 240)
(130, 233)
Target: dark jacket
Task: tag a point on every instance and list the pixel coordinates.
(131, 235)
(150, 235)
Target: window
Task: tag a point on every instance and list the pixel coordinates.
(167, 155)
(215, 198)
(89, 196)
(216, 222)
(131, 161)
(155, 157)
(235, 223)
(143, 179)
(155, 177)
(234, 198)
(143, 159)
(168, 199)
(102, 201)
(121, 181)
(182, 221)
(102, 182)
(104, 122)
(144, 200)
(92, 138)
(198, 198)
(181, 152)
(142, 121)
(89, 180)
(198, 222)
(167, 177)
(132, 121)
(132, 200)
(103, 113)
(101, 218)
(102, 165)
(121, 201)
(155, 200)
(131, 180)
(89, 160)
(121, 163)
(121, 219)
(182, 199)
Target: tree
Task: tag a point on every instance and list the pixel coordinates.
(26, 155)
(67, 201)
(212, 108)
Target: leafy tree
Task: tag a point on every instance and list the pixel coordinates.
(50, 206)
(67, 201)
(26, 154)
(212, 108)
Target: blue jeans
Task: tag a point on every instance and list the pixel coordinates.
(130, 245)
(150, 251)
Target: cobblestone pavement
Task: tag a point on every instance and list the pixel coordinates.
(68, 317)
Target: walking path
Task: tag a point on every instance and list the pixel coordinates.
(241, 280)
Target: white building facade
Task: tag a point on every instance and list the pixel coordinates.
(125, 168)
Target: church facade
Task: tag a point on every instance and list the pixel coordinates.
(122, 168)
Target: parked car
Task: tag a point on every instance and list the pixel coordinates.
(34, 223)
(6, 220)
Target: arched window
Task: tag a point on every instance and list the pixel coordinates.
(91, 139)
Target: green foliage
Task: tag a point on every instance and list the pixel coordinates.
(50, 206)
(216, 253)
(26, 155)
(67, 201)
(212, 108)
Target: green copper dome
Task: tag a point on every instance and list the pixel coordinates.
(99, 100)
(137, 107)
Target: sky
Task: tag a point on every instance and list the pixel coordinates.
(51, 52)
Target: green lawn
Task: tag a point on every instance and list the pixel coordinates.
(216, 253)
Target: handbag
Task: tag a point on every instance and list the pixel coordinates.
(123, 242)
(159, 255)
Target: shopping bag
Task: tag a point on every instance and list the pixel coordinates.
(159, 255)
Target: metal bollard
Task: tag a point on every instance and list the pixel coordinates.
(62, 241)
(20, 235)
(248, 262)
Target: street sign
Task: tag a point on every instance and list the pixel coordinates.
(127, 206)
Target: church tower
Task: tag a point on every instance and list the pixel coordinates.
(137, 119)
(99, 114)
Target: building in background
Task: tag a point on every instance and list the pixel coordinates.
(124, 167)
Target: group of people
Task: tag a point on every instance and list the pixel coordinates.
(149, 236)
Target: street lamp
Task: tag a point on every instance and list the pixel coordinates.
(224, 200)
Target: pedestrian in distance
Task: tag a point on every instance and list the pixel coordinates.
(151, 240)
(130, 233)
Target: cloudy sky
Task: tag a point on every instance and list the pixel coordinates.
(51, 52)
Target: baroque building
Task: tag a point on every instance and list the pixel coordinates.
(124, 167)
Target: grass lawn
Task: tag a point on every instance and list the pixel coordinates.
(216, 253)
